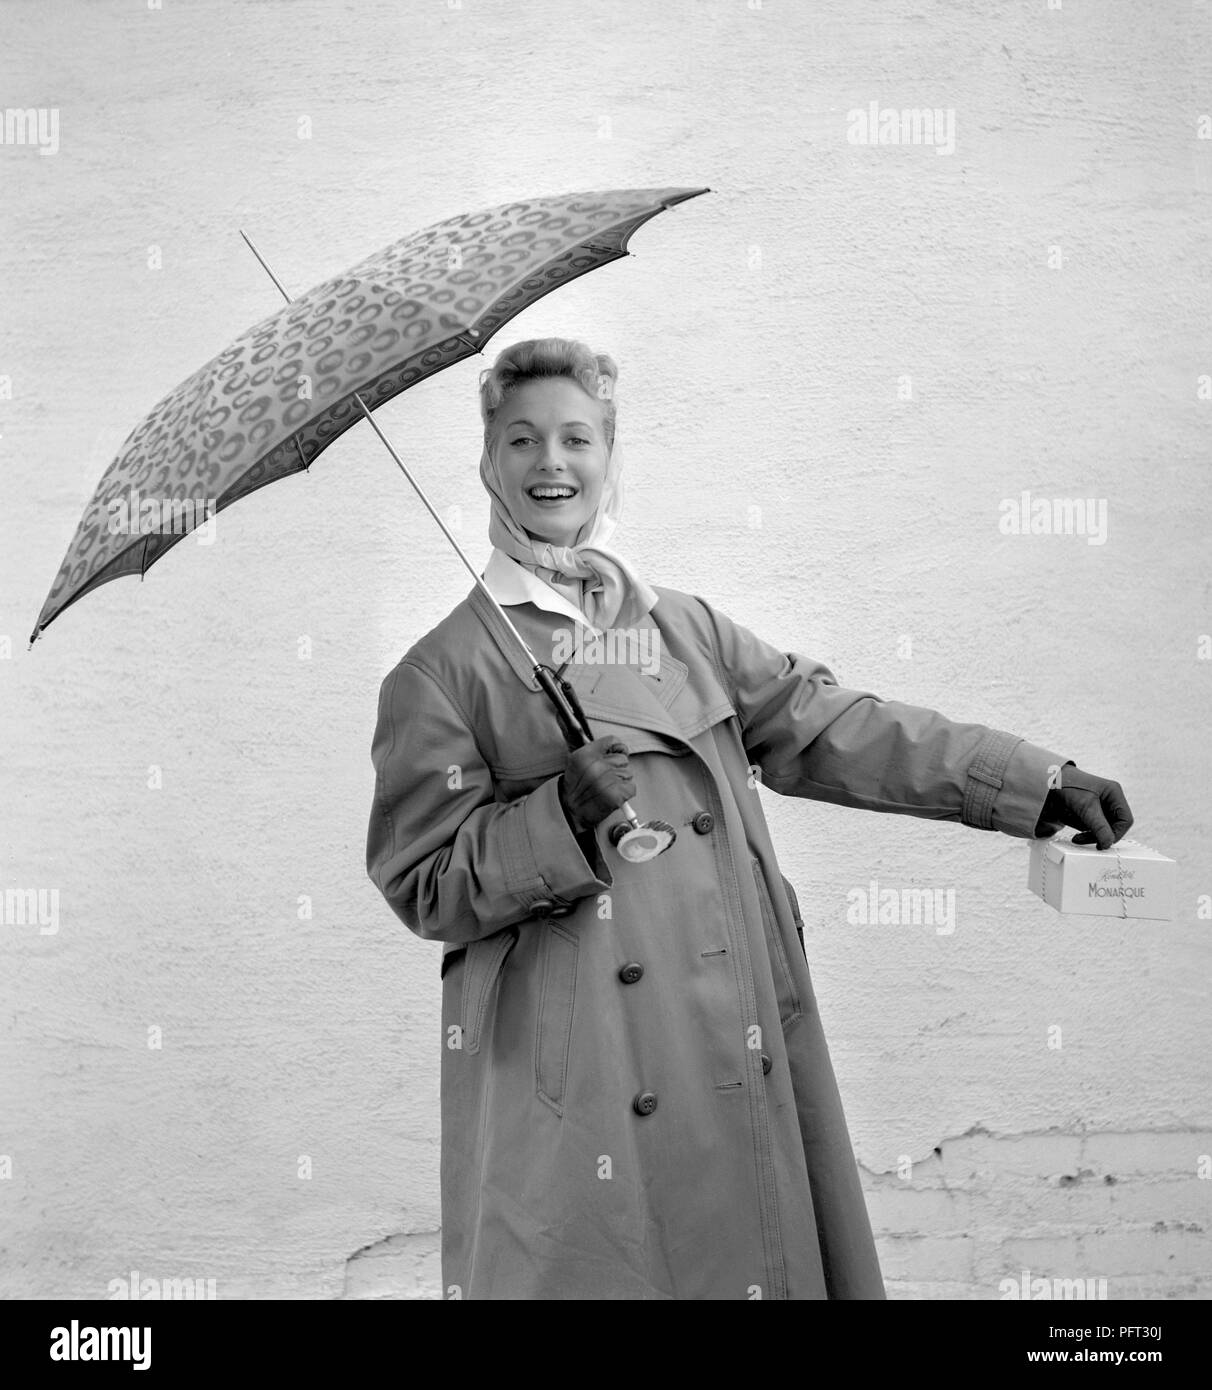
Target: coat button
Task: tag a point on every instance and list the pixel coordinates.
(644, 1103)
(766, 1064)
(703, 823)
(547, 907)
(631, 972)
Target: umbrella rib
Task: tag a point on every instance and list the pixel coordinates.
(266, 268)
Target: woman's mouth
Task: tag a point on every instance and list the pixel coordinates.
(551, 494)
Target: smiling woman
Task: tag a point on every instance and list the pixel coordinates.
(554, 469)
(637, 1097)
(553, 436)
(551, 468)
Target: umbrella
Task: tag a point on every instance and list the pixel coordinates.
(272, 401)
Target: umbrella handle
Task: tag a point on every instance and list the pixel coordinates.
(633, 821)
(633, 841)
(568, 709)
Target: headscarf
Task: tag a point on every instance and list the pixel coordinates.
(597, 579)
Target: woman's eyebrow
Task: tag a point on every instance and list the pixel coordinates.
(583, 424)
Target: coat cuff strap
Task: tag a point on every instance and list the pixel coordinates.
(545, 867)
(1007, 785)
(986, 773)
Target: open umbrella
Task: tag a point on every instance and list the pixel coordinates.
(269, 404)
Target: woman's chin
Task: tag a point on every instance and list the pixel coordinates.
(549, 536)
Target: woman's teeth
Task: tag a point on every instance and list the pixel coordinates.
(551, 494)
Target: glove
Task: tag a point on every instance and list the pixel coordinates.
(596, 780)
(1093, 805)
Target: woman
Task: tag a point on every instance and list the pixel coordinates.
(637, 1098)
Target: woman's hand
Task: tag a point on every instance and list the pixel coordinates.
(1096, 807)
(596, 780)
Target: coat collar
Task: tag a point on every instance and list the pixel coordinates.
(513, 586)
(511, 583)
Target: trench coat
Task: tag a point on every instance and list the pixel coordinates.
(637, 1099)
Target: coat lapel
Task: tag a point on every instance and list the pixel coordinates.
(665, 703)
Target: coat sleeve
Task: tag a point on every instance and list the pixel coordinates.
(453, 863)
(812, 738)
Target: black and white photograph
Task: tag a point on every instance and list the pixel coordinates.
(651, 739)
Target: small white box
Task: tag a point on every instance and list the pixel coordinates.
(1127, 880)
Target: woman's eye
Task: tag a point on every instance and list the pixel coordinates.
(526, 439)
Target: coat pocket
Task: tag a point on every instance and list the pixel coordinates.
(784, 982)
(553, 1030)
(482, 962)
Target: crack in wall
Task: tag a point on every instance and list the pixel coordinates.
(1072, 1175)
(405, 1264)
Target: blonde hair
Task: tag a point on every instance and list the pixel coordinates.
(595, 372)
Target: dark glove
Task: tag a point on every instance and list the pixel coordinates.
(1093, 805)
(596, 780)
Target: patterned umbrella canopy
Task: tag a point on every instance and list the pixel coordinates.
(270, 403)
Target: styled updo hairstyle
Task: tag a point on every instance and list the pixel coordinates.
(596, 372)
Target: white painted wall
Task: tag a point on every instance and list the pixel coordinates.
(762, 331)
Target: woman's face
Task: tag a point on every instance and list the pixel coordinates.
(550, 436)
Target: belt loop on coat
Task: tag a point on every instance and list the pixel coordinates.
(482, 966)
